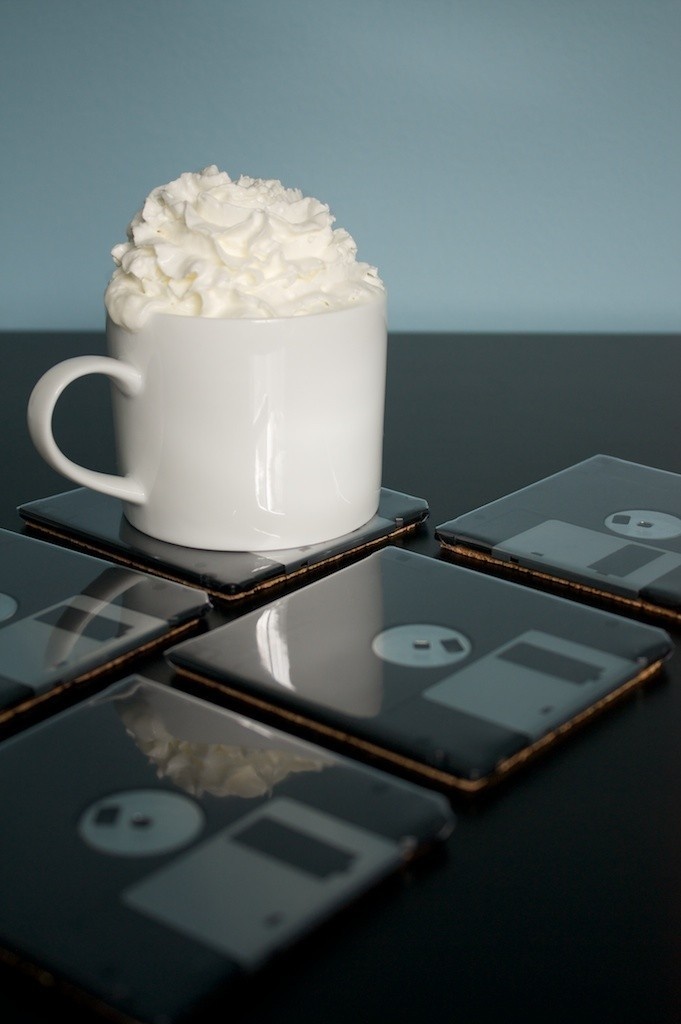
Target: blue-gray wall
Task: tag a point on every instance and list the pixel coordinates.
(507, 164)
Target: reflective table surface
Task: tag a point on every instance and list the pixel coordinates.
(558, 895)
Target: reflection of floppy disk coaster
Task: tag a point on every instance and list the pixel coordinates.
(604, 529)
(94, 522)
(432, 669)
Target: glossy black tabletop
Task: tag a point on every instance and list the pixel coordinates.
(558, 896)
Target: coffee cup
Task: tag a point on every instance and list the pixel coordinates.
(233, 433)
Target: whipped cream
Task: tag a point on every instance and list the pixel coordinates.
(205, 245)
(219, 769)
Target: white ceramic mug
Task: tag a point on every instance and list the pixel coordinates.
(237, 434)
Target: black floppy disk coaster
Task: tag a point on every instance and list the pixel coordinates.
(67, 618)
(604, 529)
(431, 668)
(94, 522)
(160, 850)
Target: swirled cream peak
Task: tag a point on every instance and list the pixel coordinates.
(207, 245)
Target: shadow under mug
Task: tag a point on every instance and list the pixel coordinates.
(237, 434)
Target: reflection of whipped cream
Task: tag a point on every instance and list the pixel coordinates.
(220, 769)
(205, 245)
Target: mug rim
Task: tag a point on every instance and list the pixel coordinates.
(378, 299)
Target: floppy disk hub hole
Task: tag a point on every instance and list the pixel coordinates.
(8, 606)
(644, 524)
(139, 823)
(421, 645)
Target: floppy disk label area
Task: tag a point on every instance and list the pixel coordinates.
(625, 566)
(264, 880)
(532, 684)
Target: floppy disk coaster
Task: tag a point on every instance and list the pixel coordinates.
(95, 523)
(161, 850)
(604, 529)
(432, 668)
(67, 619)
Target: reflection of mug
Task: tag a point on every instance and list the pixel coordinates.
(318, 650)
(238, 434)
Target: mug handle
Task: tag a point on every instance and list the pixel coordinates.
(40, 410)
